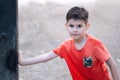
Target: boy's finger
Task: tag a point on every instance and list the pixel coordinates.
(20, 52)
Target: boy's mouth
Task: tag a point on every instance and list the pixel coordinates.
(75, 34)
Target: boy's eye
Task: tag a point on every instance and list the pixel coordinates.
(79, 26)
(71, 25)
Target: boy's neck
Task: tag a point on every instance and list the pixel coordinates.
(79, 44)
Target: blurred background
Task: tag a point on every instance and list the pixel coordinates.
(41, 29)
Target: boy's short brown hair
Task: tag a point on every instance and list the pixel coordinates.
(78, 13)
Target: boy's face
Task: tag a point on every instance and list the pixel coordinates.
(77, 28)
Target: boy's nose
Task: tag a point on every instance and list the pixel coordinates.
(75, 29)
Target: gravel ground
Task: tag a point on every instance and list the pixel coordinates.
(41, 29)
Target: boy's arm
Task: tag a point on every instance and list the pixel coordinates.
(38, 59)
(113, 68)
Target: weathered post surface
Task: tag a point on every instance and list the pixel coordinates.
(8, 40)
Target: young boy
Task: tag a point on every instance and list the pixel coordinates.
(84, 54)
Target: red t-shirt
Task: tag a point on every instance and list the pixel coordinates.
(87, 63)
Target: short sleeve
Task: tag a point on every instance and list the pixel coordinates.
(60, 50)
(101, 52)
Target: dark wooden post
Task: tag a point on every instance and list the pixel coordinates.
(8, 40)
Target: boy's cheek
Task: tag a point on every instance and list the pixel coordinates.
(69, 29)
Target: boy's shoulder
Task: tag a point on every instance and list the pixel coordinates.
(68, 41)
(94, 40)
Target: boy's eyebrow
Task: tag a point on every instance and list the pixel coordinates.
(71, 25)
(79, 24)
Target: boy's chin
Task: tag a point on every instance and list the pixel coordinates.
(76, 38)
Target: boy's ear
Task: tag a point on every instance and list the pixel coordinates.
(87, 26)
(66, 24)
